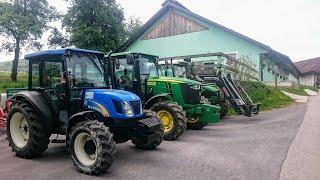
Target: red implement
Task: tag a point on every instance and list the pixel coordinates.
(3, 115)
(2, 119)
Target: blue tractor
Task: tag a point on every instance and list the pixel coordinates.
(68, 94)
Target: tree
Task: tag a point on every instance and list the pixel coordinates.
(57, 39)
(95, 24)
(132, 26)
(23, 22)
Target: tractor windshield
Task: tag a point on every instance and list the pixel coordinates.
(85, 70)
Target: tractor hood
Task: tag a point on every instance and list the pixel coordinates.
(175, 80)
(111, 103)
(209, 87)
(116, 94)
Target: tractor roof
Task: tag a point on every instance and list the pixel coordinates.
(129, 52)
(59, 52)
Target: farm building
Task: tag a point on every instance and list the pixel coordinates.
(310, 72)
(176, 31)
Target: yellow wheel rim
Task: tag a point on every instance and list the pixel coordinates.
(166, 120)
(193, 119)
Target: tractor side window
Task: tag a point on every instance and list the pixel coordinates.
(53, 74)
(124, 74)
(35, 79)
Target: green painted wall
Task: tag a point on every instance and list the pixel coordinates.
(208, 41)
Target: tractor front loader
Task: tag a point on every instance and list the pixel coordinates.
(68, 94)
(218, 87)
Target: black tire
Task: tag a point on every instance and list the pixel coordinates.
(38, 139)
(159, 134)
(195, 124)
(224, 109)
(179, 119)
(104, 144)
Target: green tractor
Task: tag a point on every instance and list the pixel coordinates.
(210, 91)
(68, 94)
(177, 101)
(219, 87)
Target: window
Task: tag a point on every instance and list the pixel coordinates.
(53, 74)
(85, 71)
(147, 68)
(124, 74)
(35, 76)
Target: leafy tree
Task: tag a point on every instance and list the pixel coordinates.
(57, 39)
(23, 22)
(132, 26)
(95, 24)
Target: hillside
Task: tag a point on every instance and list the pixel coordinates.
(7, 66)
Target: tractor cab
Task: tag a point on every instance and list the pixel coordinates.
(64, 76)
(131, 71)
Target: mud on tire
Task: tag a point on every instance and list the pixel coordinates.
(179, 119)
(37, 139)
(102, 155)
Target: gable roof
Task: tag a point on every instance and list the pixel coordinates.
(309, 65)
(173, 4)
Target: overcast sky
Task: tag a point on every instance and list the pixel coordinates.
(288, 26)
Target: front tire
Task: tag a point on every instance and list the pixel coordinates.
(224, 109)
(173, 119)
(158, 133)
(195, 124)
(26, 131)
(92, 147)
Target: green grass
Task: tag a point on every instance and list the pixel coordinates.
(5, 81)
(269, 97)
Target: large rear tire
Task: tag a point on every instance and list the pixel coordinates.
(173, 119)
(157, 133)
(92, 147)
(26, 131)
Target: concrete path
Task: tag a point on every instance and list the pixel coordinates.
(303, 159)
(311, 93)
(297, 98)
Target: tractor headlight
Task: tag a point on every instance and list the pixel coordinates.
(127, 109)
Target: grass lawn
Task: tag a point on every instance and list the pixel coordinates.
(269, 97)
(5, 81)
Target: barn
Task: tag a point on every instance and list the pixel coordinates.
(310, 72)
(176, 31)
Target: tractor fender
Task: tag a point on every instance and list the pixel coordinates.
(156, 99)
(78, 117)
(41, 105)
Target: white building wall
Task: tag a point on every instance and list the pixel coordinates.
(308, 79)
